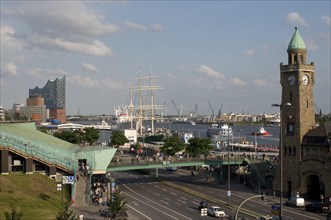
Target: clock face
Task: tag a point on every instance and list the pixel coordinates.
(305, 80)
(291, 80)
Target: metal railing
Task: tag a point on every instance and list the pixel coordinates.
(29, 148)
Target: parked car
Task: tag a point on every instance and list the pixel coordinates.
(295, 202)
(215, 211)
(203, 204)
(317, 207)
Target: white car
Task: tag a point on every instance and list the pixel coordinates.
(215, 211)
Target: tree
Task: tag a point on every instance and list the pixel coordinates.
(14, 214)
(136, 147)
(172, 145)
(117, 206)
(90, 135)
(198, 147)
(66, 214)
(118, 138)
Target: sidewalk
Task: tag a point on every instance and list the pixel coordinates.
(92, 212)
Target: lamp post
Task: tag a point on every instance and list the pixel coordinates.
(229, 184)
(281, 157)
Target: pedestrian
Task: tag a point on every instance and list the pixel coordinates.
(77, 178)
(100, 201)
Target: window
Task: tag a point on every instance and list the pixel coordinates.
(289, 150)
(290, 129)
(294, 151)
(295, 58)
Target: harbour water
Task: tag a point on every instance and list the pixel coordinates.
(199, 130)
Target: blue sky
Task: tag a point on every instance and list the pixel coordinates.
(225, 52)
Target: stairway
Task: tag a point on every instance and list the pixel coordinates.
(81, 192)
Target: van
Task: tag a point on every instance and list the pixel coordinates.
(295, 202)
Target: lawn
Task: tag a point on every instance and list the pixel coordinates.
(35, 195)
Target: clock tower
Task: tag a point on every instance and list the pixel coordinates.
(297, 82)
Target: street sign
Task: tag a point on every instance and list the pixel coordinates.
(229, 193)
(58, 186)
(68, 180)
(204, 212)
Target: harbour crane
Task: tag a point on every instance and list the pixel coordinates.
(177, 109)
(194, 110)
(220, 111)
(212, 111)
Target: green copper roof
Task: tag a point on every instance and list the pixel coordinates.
(296, 41)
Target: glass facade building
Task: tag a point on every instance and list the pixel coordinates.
(53, 93)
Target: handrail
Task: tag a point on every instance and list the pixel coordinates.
(38, 150)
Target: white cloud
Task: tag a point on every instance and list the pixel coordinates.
(157, 27)
(326, 20)
(249, 52)
(139, 27)
(135, 26)
(237, 82)
(210, 72)
(294, 18)
(9, 68)
(97, 48)
(89, 67)
(88, 82)
(70, 18)
(261, 83)
(8, 38)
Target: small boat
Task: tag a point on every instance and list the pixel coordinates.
(221, 130)
(261, 132)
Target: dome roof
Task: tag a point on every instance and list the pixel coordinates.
(296, 41)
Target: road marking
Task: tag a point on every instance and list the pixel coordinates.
(164, 202)
(135, 203)
(164, 190)
(173, 193)
(148, 199)
(139, 212)
(166, 198)
(181, 201)
(183, 198)
(157, 194)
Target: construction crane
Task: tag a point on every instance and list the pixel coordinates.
(194, 111)
(220, 111)
(176, 108)
(212, 111)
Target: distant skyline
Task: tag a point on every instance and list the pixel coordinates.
(225, 52)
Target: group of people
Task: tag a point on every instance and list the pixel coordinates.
(99, 192)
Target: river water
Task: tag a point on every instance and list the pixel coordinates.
(199, 130)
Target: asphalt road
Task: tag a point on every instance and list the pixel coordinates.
(150, 198)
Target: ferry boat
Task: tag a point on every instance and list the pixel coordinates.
(261, 132)
(221, 130)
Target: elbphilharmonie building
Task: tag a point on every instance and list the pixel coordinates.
(54, 97)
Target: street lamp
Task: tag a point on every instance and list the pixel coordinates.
(229, 184)
(281, 157)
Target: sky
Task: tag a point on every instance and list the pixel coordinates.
(226, 53)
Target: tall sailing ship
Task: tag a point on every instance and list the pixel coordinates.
(143, 109)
